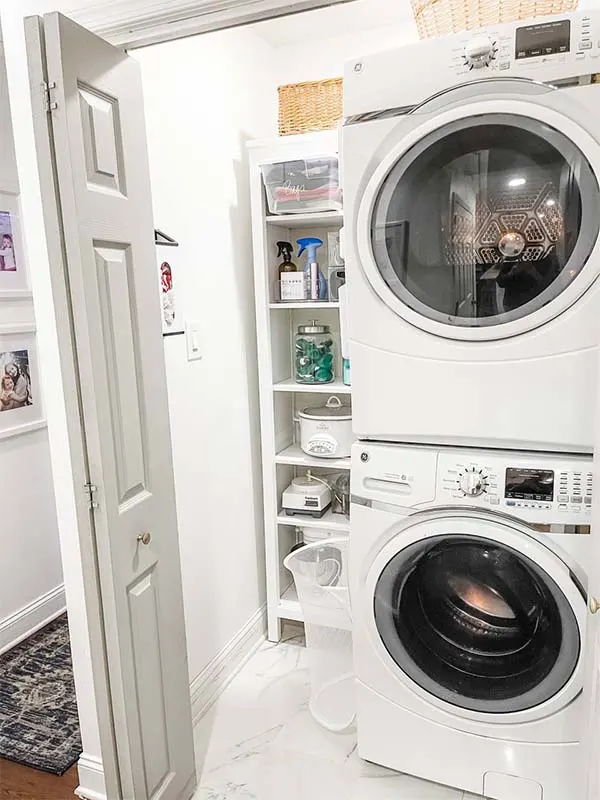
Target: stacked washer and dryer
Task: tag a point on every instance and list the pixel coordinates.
(471, 168)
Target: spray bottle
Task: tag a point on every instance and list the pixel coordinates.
(285, 249)
(316, 283)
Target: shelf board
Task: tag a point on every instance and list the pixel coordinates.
(295, 456)
(316, 219)
(306, 304)
(329, 522)
(289, 606)
(289, 385)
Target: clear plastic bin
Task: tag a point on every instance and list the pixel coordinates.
(320, 573)
(295, 187)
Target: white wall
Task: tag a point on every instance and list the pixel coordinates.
(30, 570)
(205, 97)
(326, 57)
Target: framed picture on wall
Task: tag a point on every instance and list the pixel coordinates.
(167, 259)
(13, 269)
(20, 399)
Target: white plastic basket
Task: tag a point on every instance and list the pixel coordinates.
(320, 573)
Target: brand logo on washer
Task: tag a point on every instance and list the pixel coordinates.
(322, 426)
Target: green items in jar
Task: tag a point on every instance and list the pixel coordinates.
(314, 354)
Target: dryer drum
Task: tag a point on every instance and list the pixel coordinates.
(476, 623)
(485, 220)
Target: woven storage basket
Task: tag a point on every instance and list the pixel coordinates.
(310, 106)
(441, 17)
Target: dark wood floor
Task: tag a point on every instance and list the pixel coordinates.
(22, 783)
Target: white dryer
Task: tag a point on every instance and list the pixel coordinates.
(471, 181)
(469, 607)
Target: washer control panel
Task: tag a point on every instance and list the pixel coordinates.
(543, 485)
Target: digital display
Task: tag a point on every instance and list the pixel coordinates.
(529, 484)
(543, 39)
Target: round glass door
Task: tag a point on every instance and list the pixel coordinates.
(476, 624)
(485, 220)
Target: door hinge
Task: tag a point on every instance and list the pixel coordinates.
(91, 489)
(51, 103)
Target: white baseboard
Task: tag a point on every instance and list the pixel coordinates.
(91, 778)
(29, 619)
(219, 673)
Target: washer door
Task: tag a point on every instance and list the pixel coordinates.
(481, 222)
(477, 623)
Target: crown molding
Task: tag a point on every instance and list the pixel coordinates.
(137, 23)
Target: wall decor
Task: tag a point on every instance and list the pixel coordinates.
(172, 317)
(13, 270)
(21, 407)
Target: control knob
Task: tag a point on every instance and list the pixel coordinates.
(473, 483)
(479, 52)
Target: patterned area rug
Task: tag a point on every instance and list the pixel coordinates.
(38, 711)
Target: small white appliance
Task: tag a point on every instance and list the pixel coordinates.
(469, 609)
(471, 188)
(306, 495)
(326, 431)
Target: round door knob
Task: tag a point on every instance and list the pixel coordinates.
(472, 484)
(594, 605)
(144, 538)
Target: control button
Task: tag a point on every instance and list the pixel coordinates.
(510, 503)
(588, 499)
(586, 45)
(562, 507)
(563, 48)
(576, 498)
(504, 65)
(494, 501)
(563, 498)
(479, 52)
(536, 52)
(473, 483)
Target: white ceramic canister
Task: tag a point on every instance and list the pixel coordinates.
(326, 431)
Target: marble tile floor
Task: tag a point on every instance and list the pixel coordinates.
(259, 742)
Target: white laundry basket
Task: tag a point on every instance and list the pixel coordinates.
(320, 573)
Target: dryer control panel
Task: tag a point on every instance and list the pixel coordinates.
(550, 50)
(528, 48)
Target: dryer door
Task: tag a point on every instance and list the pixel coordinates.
(478, 614)
(479, 224)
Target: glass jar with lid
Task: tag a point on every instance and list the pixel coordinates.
(314, 354)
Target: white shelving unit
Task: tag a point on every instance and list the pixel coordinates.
(280, 396)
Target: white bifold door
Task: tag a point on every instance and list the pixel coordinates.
(95, 136)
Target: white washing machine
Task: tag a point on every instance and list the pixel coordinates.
(469, 607)
(471, 182)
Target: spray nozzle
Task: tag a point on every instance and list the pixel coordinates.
(285, 249)
(311, 244)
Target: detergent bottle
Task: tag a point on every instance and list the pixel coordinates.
(316, 283)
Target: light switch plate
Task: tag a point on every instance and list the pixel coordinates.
(192, 338)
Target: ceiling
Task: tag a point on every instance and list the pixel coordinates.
(336, 21)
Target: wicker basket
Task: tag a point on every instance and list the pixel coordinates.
(441, 17)
(311, 106)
